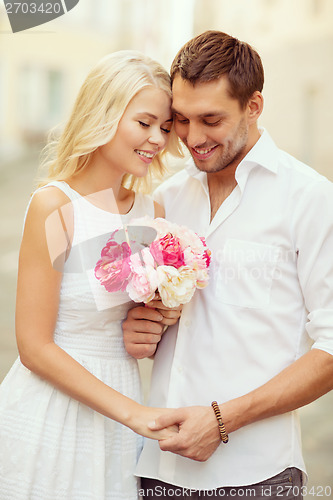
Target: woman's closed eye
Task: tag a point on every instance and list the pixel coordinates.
(146, 125)
(143, 124)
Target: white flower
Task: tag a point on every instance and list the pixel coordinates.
(176, 286)
(202, 278)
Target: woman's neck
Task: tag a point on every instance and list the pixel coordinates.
(102, 187)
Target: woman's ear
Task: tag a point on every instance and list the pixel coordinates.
(255, 106)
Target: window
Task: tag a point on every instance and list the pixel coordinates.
(317, 7)
(54, 95)
(40, 99)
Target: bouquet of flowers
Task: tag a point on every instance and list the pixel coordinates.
(173, 264)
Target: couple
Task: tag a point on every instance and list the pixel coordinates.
(70, 403)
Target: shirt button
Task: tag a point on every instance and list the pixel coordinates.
(178, 367)
(188, 323)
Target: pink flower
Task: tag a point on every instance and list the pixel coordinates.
(167, 251)
(113, 268)
(207, 256)
(207, 253)
(143, 283)
(174, 264)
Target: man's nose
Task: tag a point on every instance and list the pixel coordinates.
(195, 135)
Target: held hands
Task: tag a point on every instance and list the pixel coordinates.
(145, 416)
(198, 435)
(144, 327)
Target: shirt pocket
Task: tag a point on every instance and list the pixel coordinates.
(245, 273)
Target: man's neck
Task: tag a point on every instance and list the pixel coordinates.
(222, 183)
(220, 187)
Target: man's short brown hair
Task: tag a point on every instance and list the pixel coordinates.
(213, 54)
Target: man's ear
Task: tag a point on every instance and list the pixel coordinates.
(255, 106)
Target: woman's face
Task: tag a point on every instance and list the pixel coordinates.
(142, 133)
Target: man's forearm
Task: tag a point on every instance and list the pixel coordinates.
(302, 382)
(305, 380)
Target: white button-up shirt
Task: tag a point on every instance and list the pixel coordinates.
(269, 299)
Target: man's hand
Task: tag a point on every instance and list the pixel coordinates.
(142, 331)
(198, 435)
(170, 316)
(144, 327)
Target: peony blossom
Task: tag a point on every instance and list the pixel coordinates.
(207, 253)
(176, 286)
(174, 264)
(143, 283)
(167, 251)
(113, 268)
(202, 278)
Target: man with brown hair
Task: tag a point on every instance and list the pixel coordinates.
(244, 341)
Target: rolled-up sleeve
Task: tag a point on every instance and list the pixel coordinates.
(313, 233)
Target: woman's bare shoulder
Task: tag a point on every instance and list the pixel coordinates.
(47, 200)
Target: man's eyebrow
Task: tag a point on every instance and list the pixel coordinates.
(203, 115)
(208, 115)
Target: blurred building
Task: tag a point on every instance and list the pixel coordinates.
(41, 69)
(295, 41)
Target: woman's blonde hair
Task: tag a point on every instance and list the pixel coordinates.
(99, 106)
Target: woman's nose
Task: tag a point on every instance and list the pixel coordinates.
(158, 137)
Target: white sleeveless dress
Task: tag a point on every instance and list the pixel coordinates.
(51, 446)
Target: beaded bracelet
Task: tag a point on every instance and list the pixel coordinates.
(223, 433)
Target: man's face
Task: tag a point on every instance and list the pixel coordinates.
(210, 123)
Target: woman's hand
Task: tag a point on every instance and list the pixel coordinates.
(197, 442)
(144, 416)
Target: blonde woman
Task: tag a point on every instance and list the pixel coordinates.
(70, 403)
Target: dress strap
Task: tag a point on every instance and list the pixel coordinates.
(65, 188)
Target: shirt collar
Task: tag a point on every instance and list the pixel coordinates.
(192, 169)
(263, 153)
